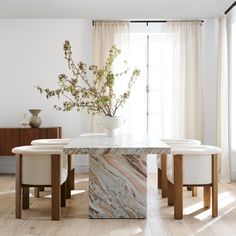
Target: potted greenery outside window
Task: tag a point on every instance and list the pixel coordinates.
(92, 88)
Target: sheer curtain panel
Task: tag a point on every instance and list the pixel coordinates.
(105, 35)
(223, 101)
(188, 52)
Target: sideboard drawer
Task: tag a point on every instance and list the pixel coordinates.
(9, 138)
(27, 135)
(13, 137)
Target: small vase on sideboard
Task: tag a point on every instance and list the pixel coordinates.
(35, 120)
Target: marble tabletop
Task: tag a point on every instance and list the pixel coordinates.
(123, 143)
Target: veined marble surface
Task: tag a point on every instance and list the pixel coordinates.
(117, 186)
(117, 172)
(122, 143)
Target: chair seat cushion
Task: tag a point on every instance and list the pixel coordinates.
(64, 174)
(196, 170)
(65, 161)
(39, 174)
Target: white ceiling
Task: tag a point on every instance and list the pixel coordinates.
(114, 9)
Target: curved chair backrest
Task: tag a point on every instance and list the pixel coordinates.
(197, 163)
(36, 163)
(195, 150)
(177, 143)
(54, 141)
(62, 142)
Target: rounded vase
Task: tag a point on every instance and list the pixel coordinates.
(110, 123)
(35, 120)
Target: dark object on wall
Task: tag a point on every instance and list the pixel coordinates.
(230, 8)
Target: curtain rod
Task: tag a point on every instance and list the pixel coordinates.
(161, 21)
(230, 8)
(149, 21)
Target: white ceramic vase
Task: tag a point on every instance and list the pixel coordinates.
(25, 120)
(110, 123)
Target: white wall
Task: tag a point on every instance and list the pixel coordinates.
(32, 54)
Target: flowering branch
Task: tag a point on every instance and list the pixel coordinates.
(97, 96)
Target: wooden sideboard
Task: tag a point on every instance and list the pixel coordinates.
(13, 137)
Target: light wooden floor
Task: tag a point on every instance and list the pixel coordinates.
(36, 220)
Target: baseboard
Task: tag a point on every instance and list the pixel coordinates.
(8, 169)
(7, 165)
(233, 175)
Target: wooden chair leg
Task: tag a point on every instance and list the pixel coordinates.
(18, 186)
(68, 190)
(159, 178)
(214, 185)
(36, 191)
(68, 180)
(170, 194)
(25, 197)
(189, 188)
(41, 189)
(194, 191)
(56, 187)
(207, 196)
(63, 194)
(72, 182)
(178, 187)
(164, 180)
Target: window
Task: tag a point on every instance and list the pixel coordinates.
(153, 99)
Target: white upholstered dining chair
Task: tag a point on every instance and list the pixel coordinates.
(38, 166)
(163, 165)
(193, 166)
(68, 163)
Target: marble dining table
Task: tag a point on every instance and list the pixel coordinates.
(117, 172)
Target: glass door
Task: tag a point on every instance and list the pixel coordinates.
(161, 89)
(153, 102)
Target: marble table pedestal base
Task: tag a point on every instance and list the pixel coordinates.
(117, 185)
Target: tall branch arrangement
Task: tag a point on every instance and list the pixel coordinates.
(97, 95)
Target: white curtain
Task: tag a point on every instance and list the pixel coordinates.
(105, 35)
(188, 52)
(223, 101)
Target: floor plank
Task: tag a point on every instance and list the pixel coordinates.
(75, 221)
